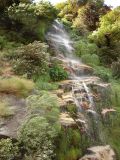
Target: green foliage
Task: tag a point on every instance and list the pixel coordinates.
(115, 94)
(112, 131)
(30, 13)
(109, 54)
(107, 37)
(8, 150)
(44, 104)
(31, 59)
(92, 60)
(88, 52)
(38, 16)
(41, 129)
(37, 137)
(109, 30)
(25, 22)
(83, 47)
(57, 73)
(116, 69)
(83, 14)
(5, 44)
(43, 83)
(88, 16)
(6, 3)
(103, 73)
(68, 144)
(16, 86)
(72, 110)
(5, 111)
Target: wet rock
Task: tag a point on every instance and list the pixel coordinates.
(103, 89)
(107, 110)
(58, 92)
(62, 103)
(68, 98)
(82, 68)
(99, 153)
(66, 120)
(66, 85)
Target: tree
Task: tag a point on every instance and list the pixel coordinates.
(107, 36)
(109, 30)
(6, 3)
(88, 15)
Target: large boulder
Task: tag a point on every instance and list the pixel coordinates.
(99, 153)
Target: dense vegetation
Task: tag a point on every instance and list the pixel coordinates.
(27, 72)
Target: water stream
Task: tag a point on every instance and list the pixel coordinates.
(83, 98)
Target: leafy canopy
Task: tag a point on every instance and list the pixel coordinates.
(109, 30)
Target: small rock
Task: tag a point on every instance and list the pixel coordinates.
(66, 120)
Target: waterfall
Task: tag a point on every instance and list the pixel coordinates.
(83, 98)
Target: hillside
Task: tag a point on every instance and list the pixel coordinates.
(59, 80)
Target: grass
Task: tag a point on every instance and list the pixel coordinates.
(44, 83)
(15, 85)
(5, 111)
(113, 131)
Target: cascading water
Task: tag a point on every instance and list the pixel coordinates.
(60, 41)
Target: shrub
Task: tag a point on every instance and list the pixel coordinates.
(4, 43)
(44, 104)
(68, 144)
(31, 59)
(91, 59)
(8, 150)
(15, 85)
(32, 19)
(37, 137)
(57, 73)
(46, 86)
(5, 111)
(83, 47)
(103, 73)
(109, 54)
(43, 83)
(116, 69)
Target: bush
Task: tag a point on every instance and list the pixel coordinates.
(57, 73)
(116, 69)
(44, 104)
(8, 150)
(31, 59)
(68, 144)
(37, 137)
(109, 54)
(5, 111)
(5, 44)
(16, 86)
(91, 59)
(103, 73)
(83, 47)
(41, 129)
(32, 19)
(43, 83)
(46, 86)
